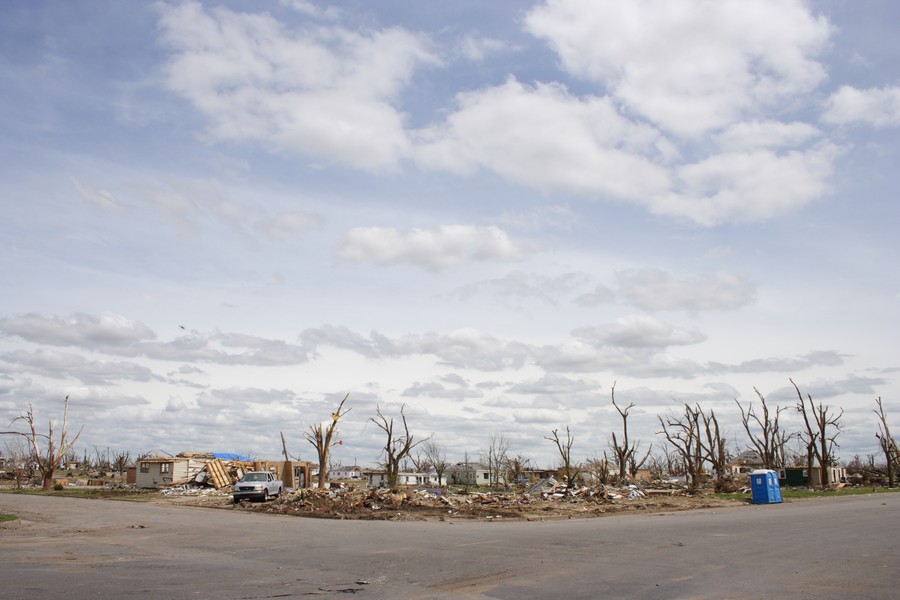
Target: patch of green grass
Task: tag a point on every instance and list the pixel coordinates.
(5, 517)
(799, 494)
(88, 492)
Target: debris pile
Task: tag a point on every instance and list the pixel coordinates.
(213, 475)
(547, 499)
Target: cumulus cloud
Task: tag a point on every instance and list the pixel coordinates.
(518, 285)
(325, 92)
(340, 337)
(544, 137)
(580, 357)
(476, 48)
(60, 365)
(310, 9)
(638, 332)
(332, 94)
(821, 389)
(879, 107)
(748, 186)
(84, 330)
(436, 389)
(462, 348)
(751, 135)
(781, 364)
(552, 384)
(600, 295)
(434, 249)
(687, 65)
(118, 336)
(654, 289)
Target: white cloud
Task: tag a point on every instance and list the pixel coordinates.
(322, 92)
(780, 364)
(766, 134)
(546, 138)
(879, 107)
(600, 295)
(476, 48)
(654, 289)
(461, 348)
(748, 186)
(59, 365)
(102, 199)
(638, 331)
(435, 249)
(518, 285)
(310, 9)
(687, 65)
(83, 330)
(552, 385)
(436, 389)
(288, 224)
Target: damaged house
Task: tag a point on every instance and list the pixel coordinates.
(163, 472)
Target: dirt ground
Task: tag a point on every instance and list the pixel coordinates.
(427, 506)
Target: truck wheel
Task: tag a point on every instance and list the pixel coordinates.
(265, 495)
(278, 495)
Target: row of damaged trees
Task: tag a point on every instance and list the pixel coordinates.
(398, 445)
(697, 441)
(694, 435)
(699, 446)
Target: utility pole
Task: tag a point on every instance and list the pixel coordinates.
(284, 446)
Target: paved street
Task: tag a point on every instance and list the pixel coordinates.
(822, 549)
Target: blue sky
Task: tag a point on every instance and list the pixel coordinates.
(221, 217)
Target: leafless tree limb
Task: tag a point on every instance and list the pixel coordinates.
(55, 449)
(822, 428)
(397, 447)
(321, 437)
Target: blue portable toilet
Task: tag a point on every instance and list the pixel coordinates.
(765, 487)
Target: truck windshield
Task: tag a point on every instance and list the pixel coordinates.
(254, 477)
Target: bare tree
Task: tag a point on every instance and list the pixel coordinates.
(49, 452)
(321, 438)
(658, 465)
(397, 447)
(683, 434)
(516, 467)
(770, 440)
(120, 463)
(419, 462)
(497, 451)
(565, 453)
(888, 444)
(598, 469)
(103, 460)
(436, 457)
(19, 460)
(822, 428)
(715, 448)
(624, 450)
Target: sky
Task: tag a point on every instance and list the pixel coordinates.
(220, 218)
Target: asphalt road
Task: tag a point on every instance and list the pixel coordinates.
(823, 549)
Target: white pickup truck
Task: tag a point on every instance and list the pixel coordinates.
(257, 484)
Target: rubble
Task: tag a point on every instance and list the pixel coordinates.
(546, 500)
